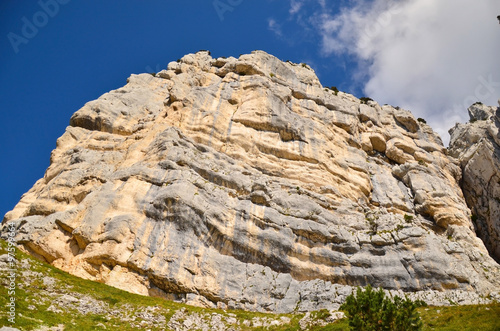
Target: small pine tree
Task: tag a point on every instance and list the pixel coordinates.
(371, 310)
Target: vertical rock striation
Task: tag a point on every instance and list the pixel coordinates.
(245, 183)
(477, 146)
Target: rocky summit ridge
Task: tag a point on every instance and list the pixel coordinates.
(244, 183)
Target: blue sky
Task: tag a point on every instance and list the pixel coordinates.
(56, 55)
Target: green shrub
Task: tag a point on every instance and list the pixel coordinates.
(408, 218)
(373, 225)
(421, 120)
(365, 100)
(371, 310)
(422, 163)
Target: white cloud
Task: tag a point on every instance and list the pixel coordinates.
(295, 6)
(274, 26)
(434, 58)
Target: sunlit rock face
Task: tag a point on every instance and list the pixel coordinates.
(244, 183)
(477, 147)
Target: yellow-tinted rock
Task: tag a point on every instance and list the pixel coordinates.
(244, 183)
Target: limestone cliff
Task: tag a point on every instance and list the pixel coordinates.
(477, 146)
(245, 183)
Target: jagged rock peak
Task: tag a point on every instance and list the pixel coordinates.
(477, 147)
(245, 183)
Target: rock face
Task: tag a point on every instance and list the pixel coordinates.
(244, 183)
(477, 146)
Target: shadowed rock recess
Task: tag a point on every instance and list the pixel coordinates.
(477, 147)
(244, 183)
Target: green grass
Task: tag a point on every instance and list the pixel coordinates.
(486, 317)
(114, 298)
(463, 318)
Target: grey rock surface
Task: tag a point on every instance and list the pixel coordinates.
(243, 183)
(477, 146)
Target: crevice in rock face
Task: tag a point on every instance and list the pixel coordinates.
(38, 253)
(267, 253)
(219, 180)
(98, 124)
(476, 148)
(483, 230)
(174, 290)
(297, 94)
(246, 69)
(282, 153)
(39, 208)
(285, 135)
(72, 243)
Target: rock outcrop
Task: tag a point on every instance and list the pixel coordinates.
(477, 146)
(245, 183)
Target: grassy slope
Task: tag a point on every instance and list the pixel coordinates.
(38, 291)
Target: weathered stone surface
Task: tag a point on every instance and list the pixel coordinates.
(480, 112)
(378, 142)
(243, 183)
(407, 120)
(477, 147)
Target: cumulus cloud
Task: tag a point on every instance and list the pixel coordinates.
(434, 58)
